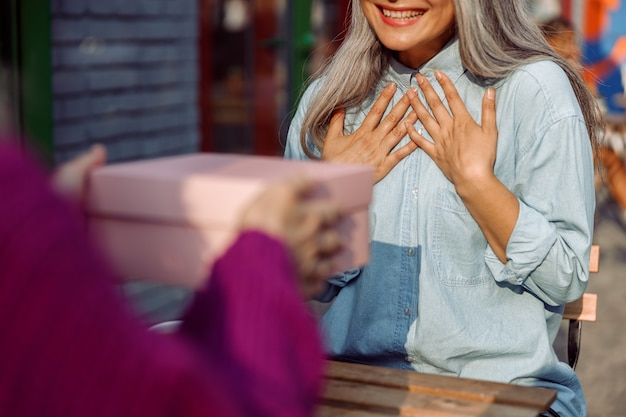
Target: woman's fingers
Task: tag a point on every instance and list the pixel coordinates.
(335, 128)
(318, 218)
(392, 122)
(395, 116)
(374, 142)
(375, 115)
(457, 107)
(319, 241)
(423, 114)
(421, 141)
(394, 137)
(300, 185)
(439, 111)
(307, 225)
(316, 278)
(458, 144)
(488, 118)
(70, 178)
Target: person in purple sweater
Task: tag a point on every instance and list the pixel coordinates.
(70, 345)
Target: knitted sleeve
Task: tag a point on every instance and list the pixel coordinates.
(252, 320)
(71, 347)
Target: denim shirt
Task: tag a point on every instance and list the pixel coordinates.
(434, 297)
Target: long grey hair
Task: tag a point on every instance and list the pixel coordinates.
(495, 38)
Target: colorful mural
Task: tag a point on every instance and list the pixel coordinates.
(603, 30)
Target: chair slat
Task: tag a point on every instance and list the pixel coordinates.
(594, 259)
(583, 309)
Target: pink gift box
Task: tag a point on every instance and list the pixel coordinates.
(167, 219)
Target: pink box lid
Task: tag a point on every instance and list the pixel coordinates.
(208, 189)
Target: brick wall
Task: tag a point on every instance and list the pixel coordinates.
(125, 74)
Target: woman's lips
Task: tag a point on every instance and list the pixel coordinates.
(401, 15)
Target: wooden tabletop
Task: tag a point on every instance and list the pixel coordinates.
(354, 390)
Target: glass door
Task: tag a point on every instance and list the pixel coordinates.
(255, 57)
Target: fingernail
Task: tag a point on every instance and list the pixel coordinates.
(438, 75)
(491, 94)
(420, 79)
(411, 93)
(391, 86)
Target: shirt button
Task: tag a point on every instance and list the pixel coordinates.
(416, 191)
(407, 311)
(411, 252)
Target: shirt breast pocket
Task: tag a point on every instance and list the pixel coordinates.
(458, 245)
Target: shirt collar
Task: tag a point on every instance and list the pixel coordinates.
(448, 60)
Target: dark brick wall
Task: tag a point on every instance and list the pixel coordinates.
(125, 74)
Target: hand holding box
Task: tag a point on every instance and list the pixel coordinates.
(167, 219)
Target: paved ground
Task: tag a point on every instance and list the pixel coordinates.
(602, 362)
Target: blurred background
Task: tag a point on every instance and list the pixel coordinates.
(152, 78)
(158, 77)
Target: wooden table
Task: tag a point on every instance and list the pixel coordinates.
(354, 390)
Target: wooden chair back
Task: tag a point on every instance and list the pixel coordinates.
(583, 309)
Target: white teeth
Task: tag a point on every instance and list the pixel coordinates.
(402, 15)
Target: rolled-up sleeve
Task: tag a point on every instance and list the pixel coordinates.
(548, 251)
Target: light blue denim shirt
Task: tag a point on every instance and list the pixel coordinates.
(434, 297)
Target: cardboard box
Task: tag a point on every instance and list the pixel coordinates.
(167, 219)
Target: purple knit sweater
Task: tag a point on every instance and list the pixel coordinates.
(69, 346)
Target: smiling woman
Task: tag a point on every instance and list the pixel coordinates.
(482, 139)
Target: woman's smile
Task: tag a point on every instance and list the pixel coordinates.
(415, 29)
(396, 17)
